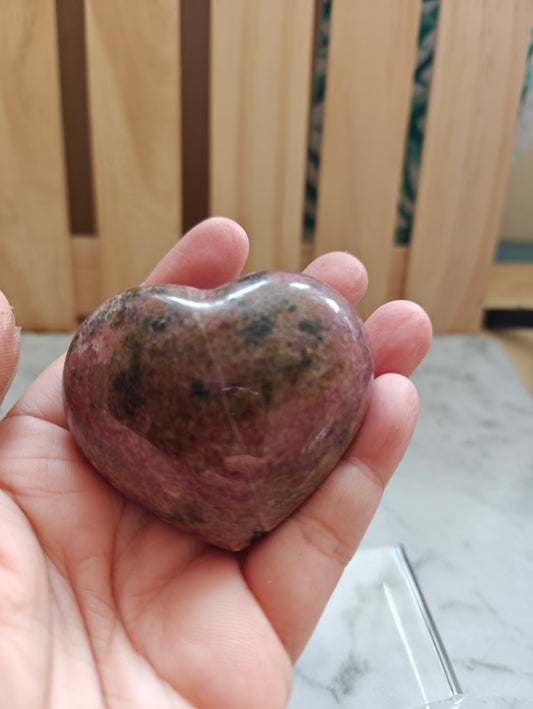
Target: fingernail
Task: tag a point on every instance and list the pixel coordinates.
(7, 318)
(9, 350)
(9, 331)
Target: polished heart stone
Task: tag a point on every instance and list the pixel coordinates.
(221, 410)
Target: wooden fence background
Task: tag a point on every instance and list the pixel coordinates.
(124, 121)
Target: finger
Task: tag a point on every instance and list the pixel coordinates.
(341, 271)
(400, 332)
(400, 336)
(211, 253)
(295, 568)
(9, 346)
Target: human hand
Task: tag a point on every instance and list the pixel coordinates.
(103, 605)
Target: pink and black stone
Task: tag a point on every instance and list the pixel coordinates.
(221, 410)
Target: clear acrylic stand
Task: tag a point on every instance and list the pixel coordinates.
(376, 645)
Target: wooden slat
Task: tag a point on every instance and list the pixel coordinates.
(133, 63)
(368, 89)
(35, 267)
(397, 272)
(261, 54)
(510, 285)
(518, 344)
(517, 217)
(475, 90)
(87, 273)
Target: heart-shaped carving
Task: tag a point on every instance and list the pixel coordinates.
(220, 410)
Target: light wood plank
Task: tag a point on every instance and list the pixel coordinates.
(369, 80)
(517, 218)
(475, 90)
(518, 345)
(510, 285)
(133, 63)
(306, 255)
(86, 261)
(397, 272)
(35, 267)
(261, 54)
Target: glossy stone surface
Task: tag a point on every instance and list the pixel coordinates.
(219, 410)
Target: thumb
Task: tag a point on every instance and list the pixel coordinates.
(9, 346)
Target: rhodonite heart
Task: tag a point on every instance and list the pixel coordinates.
(220, 410)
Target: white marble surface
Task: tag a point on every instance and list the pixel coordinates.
(461, 504)
(36, 353)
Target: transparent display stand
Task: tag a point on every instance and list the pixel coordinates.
(376, 645)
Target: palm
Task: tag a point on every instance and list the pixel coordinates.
(117, 580)
(103, 605)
